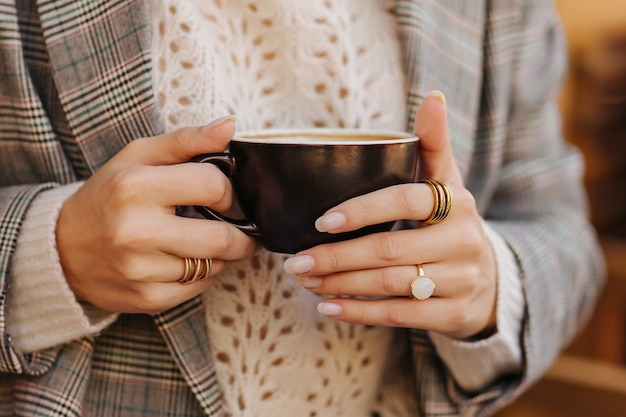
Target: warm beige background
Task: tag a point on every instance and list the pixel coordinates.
(585, 20)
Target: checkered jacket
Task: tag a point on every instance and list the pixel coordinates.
(75, 87)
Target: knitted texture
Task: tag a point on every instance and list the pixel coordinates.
(284, 63)
(279, 63)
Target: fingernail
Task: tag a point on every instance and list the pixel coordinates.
(300, 264)
(329, 309)
(219, 121)
(330, 221)
(309, 282)
(438, 95)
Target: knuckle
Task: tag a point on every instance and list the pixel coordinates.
(334, 286)
(216, 189)
(472, 276)
(222, 237)
(358, 315)
(457, 317)
(180, 137)
(128, 184)
(473, 242)
(129, 266)
(342, 287)
(150, 302)
(471, 238)
(392, 280)
(334, 260)
(118, 268)
(396, 315)
(135, 270)
(359, 211)
(464, 200)
(219, 190)
(468, 281)
(411, 200)
(127, 235)
(328, 258)
(389, 247)
(136, 146)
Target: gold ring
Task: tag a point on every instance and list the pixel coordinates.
(196, 270)
(443, 202)
(422, 286)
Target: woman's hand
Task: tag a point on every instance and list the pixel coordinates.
(121, 245)
(369, 278)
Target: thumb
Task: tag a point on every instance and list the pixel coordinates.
(431, 126)
(181, 145)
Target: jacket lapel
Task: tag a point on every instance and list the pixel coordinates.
(185, 332)
(99, 54)
(443, 49)
(100, 58)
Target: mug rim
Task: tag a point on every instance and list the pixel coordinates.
(364, 136)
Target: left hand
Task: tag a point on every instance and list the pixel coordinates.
(454, 253)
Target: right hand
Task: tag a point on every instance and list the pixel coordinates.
(121, 245)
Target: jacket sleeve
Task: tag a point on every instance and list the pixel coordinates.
(14, 202)
(539, 203)
(50, 139)
(530, 191)
(32, 158)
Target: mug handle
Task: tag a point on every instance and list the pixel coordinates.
(225, 162)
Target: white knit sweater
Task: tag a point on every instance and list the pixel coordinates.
(272, 63)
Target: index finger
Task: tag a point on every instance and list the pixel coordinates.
(181, 145)
(413, 201)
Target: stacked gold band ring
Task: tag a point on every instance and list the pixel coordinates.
(196, 270)
(443, 201)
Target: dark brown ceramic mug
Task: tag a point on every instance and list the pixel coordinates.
(285, 179)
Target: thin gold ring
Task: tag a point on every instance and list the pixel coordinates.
(187, 274)
(422, 286)
(196, 270)
(443, 202)
(207, 270)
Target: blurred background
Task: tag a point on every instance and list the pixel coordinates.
(589, 379)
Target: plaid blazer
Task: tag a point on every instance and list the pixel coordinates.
(75, 87)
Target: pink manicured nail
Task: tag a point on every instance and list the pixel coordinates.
(219, 121)
(330, 221)
(300, 264)
(437, 94)
(329, 309)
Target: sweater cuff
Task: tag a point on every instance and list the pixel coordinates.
(476, 364)
(42, 310)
